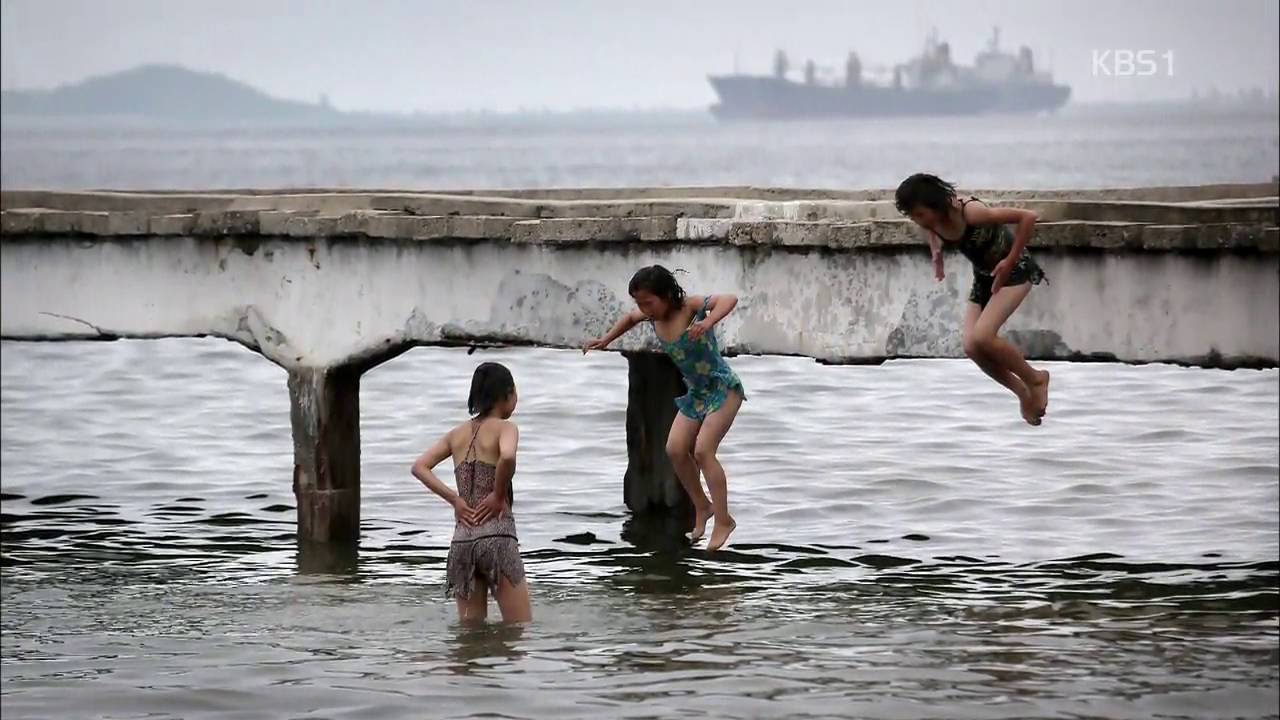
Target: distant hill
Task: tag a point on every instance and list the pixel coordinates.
(163, 92)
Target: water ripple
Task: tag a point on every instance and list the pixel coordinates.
(907, 547)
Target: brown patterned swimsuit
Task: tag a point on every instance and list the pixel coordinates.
(490, 550)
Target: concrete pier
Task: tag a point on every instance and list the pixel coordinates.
(330, 283)
(325, 415)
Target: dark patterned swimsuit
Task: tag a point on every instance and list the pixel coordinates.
(491, 550)
(986, 246)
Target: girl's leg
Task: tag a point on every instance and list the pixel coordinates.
(475, 608)
(684, 431)
(713, 431)
(513, 601)
(976, 352)
(985, 335)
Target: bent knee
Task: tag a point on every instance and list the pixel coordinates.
(677, 450)
(978, 345)
(704, 454)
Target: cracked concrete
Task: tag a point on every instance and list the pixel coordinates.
(327, 279)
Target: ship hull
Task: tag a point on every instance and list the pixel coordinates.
(1032, 98)
(744, 97)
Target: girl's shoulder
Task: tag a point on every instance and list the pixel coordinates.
(469, 426)
(695, 302)
(974, 205)
(486, 435)
(459, 433)
(495, 431)
(493, 428)
(975, 210)
(694, 305)
(463, 431)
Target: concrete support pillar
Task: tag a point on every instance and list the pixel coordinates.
(325, 414)
(650, 486)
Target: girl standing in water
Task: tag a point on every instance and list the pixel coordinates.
(485, 553)
(685, 326)
(1003, 273)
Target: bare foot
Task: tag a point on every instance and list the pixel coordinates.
(1040, 391)
(720, 534)
(1030, 410)
(700, 517)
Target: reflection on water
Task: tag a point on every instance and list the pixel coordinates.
(907, 547)
(327, 559)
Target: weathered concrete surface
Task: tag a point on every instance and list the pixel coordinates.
(1219, 203)
(327, 303)
(1192, 283)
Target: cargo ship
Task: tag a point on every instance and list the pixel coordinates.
(928, 84)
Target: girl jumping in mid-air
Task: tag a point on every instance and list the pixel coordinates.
(1003, 273)
(485, 554)
(685, 326)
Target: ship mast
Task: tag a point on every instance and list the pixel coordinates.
(780, 65)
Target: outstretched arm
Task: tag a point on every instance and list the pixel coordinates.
(979, 214)
(619, 329)
(424, 470)
(494, 505)
(935, 252)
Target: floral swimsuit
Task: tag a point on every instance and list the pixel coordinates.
(707, 375)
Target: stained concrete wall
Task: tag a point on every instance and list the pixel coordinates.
(342, 277)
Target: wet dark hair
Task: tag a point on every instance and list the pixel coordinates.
(924, 190)
(659, 281)
(490, 384)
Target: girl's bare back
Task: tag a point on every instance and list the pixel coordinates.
(486, 448)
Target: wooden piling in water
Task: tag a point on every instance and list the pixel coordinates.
(650, 485)
(325, 415)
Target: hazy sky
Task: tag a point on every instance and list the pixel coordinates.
(406, 55)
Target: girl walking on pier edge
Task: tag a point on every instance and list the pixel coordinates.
(1003, 273)
(485, 553)
(685, 326)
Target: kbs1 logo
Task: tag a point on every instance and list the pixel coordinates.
(1132, 63)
